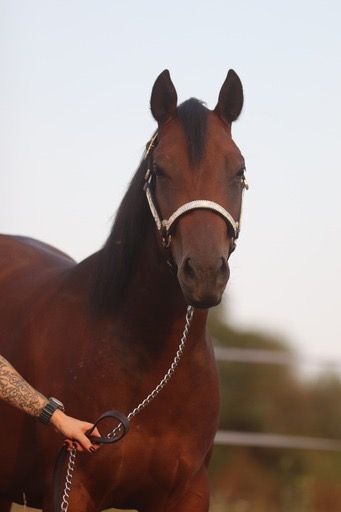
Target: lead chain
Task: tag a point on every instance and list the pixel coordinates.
(166, 378)
(68, 480)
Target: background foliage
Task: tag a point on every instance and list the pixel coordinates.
(278, 399)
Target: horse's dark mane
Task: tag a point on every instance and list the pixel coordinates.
(119, 255)
(120, 251)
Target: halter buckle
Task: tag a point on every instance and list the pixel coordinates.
(245, 183)
(166, 238)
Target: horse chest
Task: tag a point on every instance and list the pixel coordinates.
(170, 445)
(158, 462)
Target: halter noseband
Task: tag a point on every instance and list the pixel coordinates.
(164, 226)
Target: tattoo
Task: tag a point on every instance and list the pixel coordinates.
(15, 390)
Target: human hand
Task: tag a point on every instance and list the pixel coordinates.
(74, 431)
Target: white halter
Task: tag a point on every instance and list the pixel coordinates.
(165, 225)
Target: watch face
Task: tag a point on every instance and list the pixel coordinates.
(57, 402)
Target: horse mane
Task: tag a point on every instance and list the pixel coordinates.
(122, 248)
(120, 251)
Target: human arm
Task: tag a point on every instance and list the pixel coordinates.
(15, 390)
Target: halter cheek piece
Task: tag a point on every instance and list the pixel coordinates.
(165, 226)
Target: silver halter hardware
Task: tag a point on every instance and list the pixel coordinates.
(164, 226)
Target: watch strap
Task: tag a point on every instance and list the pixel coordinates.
(48, 410)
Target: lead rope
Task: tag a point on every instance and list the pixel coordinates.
(166, 378)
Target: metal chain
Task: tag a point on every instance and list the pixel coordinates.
(166, 378)
(68, 480)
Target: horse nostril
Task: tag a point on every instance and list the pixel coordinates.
(188, 268)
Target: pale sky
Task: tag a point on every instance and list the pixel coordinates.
(75, 83)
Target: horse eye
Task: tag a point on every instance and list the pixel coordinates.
(241, 173)
(157, 170)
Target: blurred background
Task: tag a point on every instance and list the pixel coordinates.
(75, 83)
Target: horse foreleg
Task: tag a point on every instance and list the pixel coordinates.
(5, 505)
(194, 497)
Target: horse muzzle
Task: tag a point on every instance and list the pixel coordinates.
(203, 283)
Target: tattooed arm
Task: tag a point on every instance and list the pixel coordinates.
(16, 391)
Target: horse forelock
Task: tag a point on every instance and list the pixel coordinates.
(193, 118)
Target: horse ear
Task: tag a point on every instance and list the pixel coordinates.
(164, 99)
(230, 102)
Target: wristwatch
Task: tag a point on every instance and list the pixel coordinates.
(52, 405)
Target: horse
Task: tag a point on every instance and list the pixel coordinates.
(99, 334)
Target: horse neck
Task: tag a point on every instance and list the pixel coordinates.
(154, 294)
(153, 304)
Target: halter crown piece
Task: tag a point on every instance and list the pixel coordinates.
(165, 225)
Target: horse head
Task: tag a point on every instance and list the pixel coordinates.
(195, 179)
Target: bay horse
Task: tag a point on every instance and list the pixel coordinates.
(99, 334)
